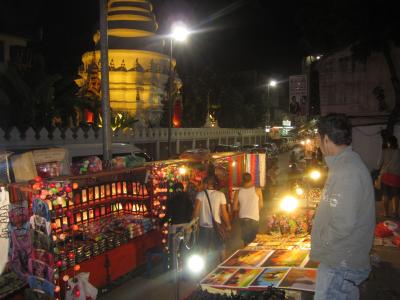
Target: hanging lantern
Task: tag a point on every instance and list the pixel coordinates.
(177, 117)
(89, 116)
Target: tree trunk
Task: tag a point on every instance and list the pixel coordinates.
(396, 86)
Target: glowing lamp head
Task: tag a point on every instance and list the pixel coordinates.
(289, 203)
(303, 142)
(315, 175)
(196, 263)
(308, 141)
(299, 191)
(233, 163)
(179, 32)
(272, 83)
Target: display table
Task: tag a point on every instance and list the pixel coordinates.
(270, 261)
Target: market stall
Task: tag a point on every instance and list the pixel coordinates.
(70, 235)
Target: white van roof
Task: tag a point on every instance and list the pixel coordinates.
(77, 150)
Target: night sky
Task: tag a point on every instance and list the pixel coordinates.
(232, 35)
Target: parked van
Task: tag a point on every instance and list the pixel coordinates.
(78, 151)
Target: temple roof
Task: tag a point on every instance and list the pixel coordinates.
(131, 25)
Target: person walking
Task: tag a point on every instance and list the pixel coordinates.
(179, 206)
(210, 207)
(343, 228)
(389, 166)
(248, 201)
(179, 214)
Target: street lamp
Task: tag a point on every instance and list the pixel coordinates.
(179, 33)
(271, 84)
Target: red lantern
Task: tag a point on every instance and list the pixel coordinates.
(71, 255)
(77, 268)
(89, 116)
(59, 263)
(75, 227)
(177, 117)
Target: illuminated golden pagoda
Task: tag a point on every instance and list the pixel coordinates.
(138, 70)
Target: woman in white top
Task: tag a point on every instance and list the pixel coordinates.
(248, 201)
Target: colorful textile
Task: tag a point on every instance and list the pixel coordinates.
(263, 167)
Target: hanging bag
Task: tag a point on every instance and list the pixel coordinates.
(222, 234)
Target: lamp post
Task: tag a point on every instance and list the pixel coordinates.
(270, 84)
(179, 33)
(105, 92)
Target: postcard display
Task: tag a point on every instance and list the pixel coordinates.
(270, 261)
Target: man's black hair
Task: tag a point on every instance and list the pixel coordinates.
(210, 180)
(246, 177)
(337, 127)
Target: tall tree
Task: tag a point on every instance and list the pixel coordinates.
(29, 100)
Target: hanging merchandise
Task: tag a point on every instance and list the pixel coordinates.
(4, 167)
(41, 261)
(20, 242)
(262, 169)
(256, 167)
(4, 239)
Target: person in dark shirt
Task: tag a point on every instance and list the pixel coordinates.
(179, 206)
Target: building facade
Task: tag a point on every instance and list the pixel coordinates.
(357, 89)
(138, 69)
